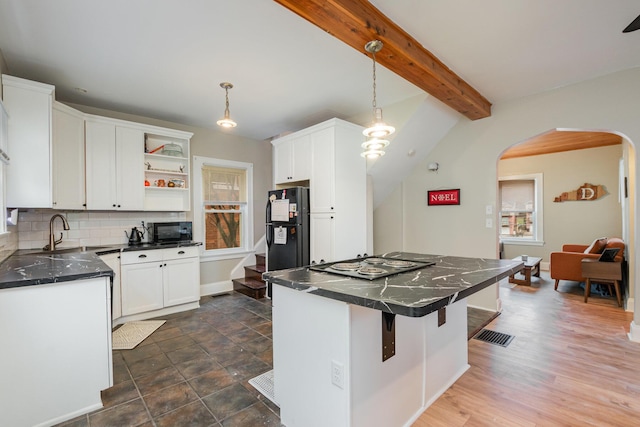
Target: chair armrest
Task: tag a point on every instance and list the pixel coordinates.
(568, 265)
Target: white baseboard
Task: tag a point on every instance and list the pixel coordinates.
(630, 304)
(155, 313)
(634, 332)
(544, 266)
(216, 288)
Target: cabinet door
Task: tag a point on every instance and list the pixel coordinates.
(29, 183)
(322, 183)
(129, 175)
(101, 167)
(322, 237)
(141, 287)
(68, 159)
(181, 279)
(113, 261)
(301, 158)
(282, 162)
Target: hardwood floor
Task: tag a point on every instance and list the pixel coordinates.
(570, 364)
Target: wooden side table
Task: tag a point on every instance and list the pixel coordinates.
(531, 267)
(609, 273)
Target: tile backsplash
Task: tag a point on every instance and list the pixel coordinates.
(86, 228)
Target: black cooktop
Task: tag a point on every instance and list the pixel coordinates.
(370, 268)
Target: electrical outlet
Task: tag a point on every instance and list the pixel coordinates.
(337, 374)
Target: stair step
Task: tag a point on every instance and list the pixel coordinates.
(254, 271)
(251, 287)
(260, 259)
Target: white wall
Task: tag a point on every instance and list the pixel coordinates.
(577, 222)
(468, 155)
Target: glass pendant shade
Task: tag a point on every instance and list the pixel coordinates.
(226, 121)
(379, 129)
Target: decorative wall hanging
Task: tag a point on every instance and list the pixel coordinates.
(443, 197)
(586, 192)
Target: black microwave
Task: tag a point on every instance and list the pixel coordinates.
(167, 232)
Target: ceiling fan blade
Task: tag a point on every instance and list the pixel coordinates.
(635, 25)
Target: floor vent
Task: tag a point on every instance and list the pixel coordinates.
(493, 337)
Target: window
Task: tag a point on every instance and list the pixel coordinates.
(223, 217)
(521, 209)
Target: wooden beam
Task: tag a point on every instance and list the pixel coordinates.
(356, 22)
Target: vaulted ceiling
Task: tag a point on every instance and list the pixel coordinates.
(296, 63)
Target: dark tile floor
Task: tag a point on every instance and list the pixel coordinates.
(194, 370)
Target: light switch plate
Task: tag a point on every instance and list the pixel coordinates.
(488, 210)
(488, 223)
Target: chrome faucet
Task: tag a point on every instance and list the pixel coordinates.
(52, 239)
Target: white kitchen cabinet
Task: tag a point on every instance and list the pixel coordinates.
(323, 173)
(68, 158)
(160, 278)
(113, 261)
(115, 162)
(291, 158)
(340, 220)
(322, 237)
(181, 276)
(29, 175)
(56, 340)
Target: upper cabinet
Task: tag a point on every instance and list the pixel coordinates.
(291, 158)
(114, 165)
(62, 158)
(166, 170)
(327, 156)
(134, 167)
(29, 175)
(68, 158)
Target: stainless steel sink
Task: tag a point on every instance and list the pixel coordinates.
(69, 250)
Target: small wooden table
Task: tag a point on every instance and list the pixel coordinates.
(609, 273)
(531, 267)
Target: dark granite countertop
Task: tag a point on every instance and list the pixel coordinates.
(414, 293)
(28, 267)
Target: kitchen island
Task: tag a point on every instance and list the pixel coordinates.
(56, 337)
(357, 352)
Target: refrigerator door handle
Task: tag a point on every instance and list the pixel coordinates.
(269, 234)
(268, 211)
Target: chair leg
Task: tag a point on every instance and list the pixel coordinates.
(587, 289)
(616, 285)
(556, 286)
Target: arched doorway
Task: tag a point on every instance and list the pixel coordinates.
(568, 159)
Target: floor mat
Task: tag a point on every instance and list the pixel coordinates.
(129, 335)
(264, 384)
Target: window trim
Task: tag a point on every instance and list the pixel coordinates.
(199, 211)
(538, 213)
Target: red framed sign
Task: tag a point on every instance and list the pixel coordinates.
(443, 197)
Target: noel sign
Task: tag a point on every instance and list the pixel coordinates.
(443, 197)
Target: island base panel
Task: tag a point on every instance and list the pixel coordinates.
(311, 332)
(59, 335)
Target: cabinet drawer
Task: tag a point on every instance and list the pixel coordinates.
(184, 252)
(135, 257)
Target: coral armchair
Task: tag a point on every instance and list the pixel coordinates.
(567, 265)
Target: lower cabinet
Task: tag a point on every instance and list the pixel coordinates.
(155, 279)
(113, 261)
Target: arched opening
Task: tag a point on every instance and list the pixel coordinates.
(567, 160)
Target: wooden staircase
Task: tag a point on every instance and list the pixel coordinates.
(252, 283)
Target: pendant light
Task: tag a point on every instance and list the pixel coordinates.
(376, 133)
(226, 121)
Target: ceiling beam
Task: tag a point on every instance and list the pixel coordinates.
(356, 22)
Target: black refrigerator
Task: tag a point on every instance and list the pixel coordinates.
(287, 234)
